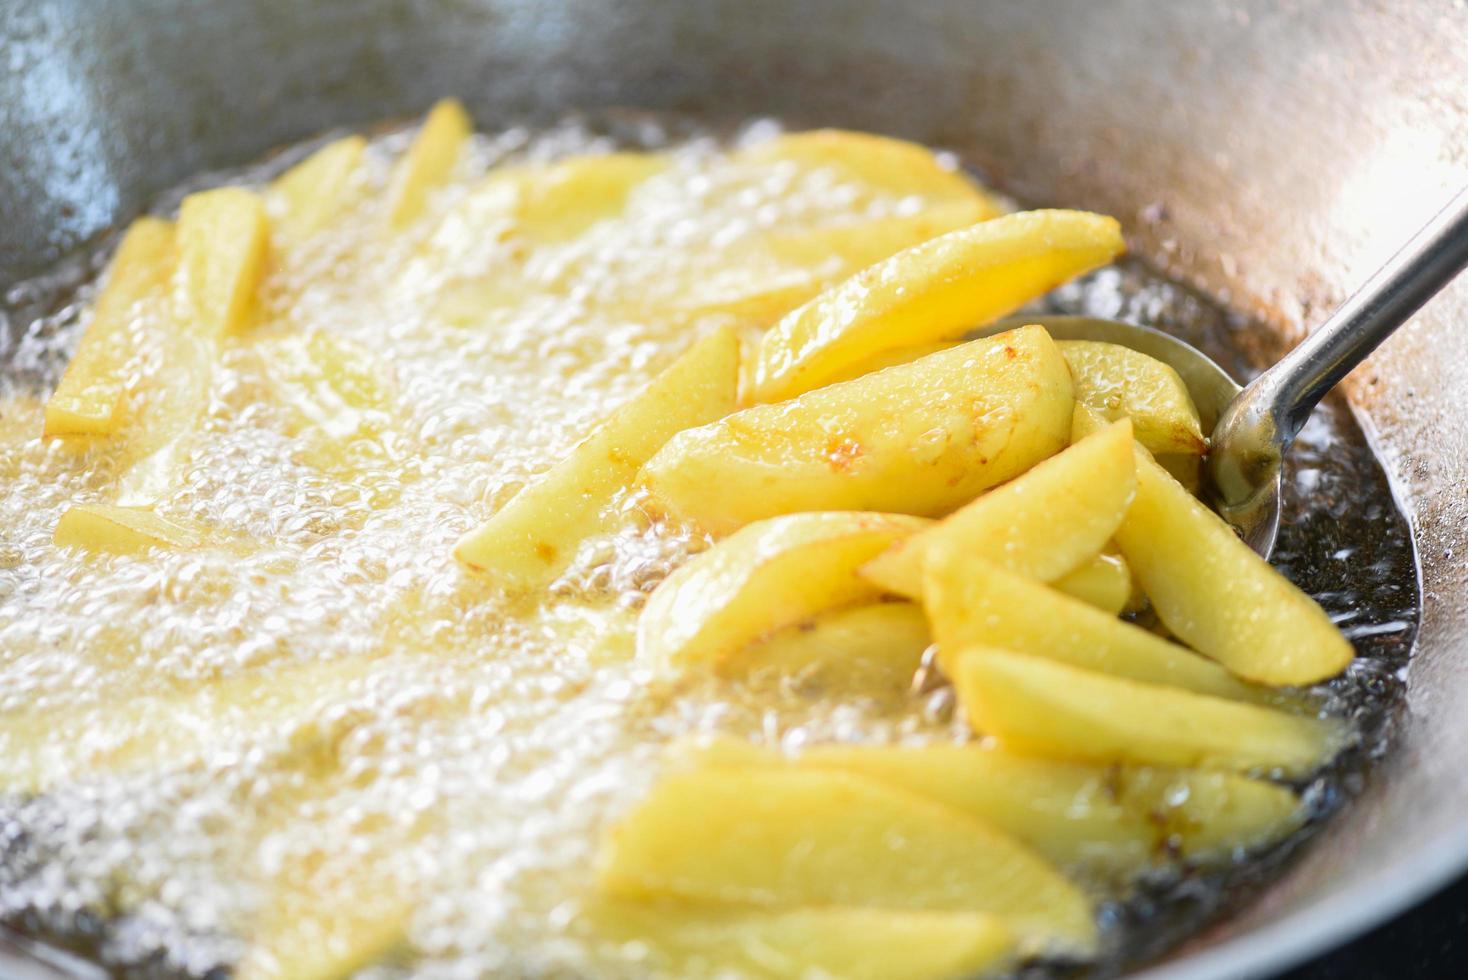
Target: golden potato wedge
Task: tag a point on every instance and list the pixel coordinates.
(428, 162)
(88, 400)
(121, 530)
(972, 602)
(1104, 582)
(875, 648)
(933, 291)
(1102, 822)
(532, 537)
(778, 838)
(921, 438)
(693, 940)
(571, 195)
(1217, 595)
(1045, 523)
(1044, 707)
(768, 575)
(135, 733)
(1119, 382)
(891, 166)
(307, 196)
(223, 236)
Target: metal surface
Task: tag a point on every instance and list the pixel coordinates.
(1248, 444)
(1268, 152)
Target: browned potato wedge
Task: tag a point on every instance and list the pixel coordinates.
(921, 438)
(535, 535)
(1217, 595)
(1042, 525)
(971, 602)
(934, 291)
(768, 575)
(694, 940)
(782, 839)
(1043, 707)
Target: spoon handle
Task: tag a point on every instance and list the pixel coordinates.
(1259, 426)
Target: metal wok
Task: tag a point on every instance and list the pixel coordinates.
(1272, 154)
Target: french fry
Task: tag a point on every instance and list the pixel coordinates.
(1217, 595)
(223, 236)
(1043, 707)
(934, 291)
(121, 530)
(782, 839)
(1044, 524)
(768, 575)
(535, 535)
(88, 401)
(921, 438)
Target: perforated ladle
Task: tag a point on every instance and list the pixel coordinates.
(1254, 426)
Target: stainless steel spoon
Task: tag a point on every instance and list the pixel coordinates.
(1254, 426)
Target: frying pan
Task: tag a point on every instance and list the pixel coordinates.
(1269, 153)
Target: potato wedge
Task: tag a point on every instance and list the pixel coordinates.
(874, 649)
(535, 535)
(921, 438)
(1104, 582)
(779, 839)
(428, 162)
(933, 291)
(307, 196)
(88, 400)
(135, 733)
(223, 236)
(691, 940)
(892, 166)
(121, 530)
(1043, 524)
(1043, 707)
(972, 602)
(766, 576)
(1101, 822)
(1217, 595)
(573, 194)
(1119, 382)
